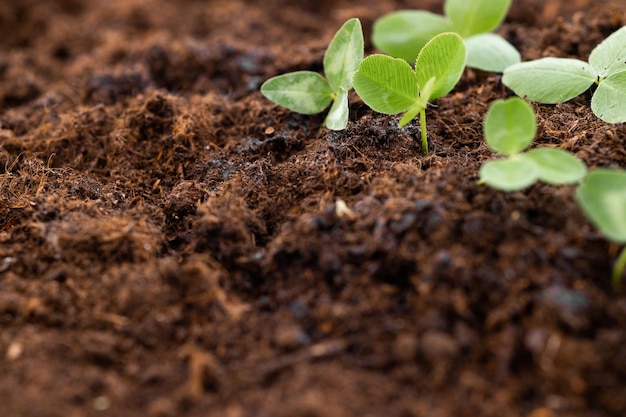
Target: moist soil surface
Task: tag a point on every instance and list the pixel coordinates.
(174, 244)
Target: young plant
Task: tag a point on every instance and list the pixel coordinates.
(602, 196)
(390, 86)
(555, 80)
(510, 127)
(404, 33)
(308, 92)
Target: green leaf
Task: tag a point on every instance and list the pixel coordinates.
(549, 80)
(557, 166)
(510, 126)
(609, 57)
(337, 117)
(404, 33)
(443, 58)
(490, 52)
(470, 17)
(301, 91)
(609, 100)
(511, 174)
(602, 196)
(387, 85)
(344, 54)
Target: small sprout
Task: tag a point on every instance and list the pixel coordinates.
(404, 33)
(510, 127)
(602, 196)
(390, 86)
(555, 80)
(308, 92)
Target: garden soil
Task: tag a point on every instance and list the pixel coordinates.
(174, 244)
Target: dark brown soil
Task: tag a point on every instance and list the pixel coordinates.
(174, 244)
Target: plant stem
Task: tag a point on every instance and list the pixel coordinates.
(618, 269)
(423, 131)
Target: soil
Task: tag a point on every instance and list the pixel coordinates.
(174, 244)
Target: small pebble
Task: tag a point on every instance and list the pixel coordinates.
(14, 351)
(101, 403)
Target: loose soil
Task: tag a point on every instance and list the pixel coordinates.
(174, 244)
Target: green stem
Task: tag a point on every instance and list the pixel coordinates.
(618, 269)
(423, 131)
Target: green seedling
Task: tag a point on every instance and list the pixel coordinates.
(510, 127)
(308, 92)
(555, 80)
(390, 86)
(404, 33)
(602, 196)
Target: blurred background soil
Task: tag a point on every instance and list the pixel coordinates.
(174, 244)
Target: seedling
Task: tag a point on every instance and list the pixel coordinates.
(390, 86)
(404, 33)
(555, 80)
(308, 92)
(602, 196)
(510, 127)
